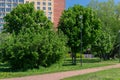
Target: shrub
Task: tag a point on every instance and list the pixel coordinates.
(30, 49)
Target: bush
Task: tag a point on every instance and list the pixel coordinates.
(30, 49)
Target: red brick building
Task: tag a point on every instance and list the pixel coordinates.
(59, 6)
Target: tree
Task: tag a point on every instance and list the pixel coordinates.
(31, 42)
(103, 45)
(108, 12)
(79, 20)
(25, 16)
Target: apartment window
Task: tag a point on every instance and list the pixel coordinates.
(49, 18)
(14, 4)
(1, 20)
(9, 0)
(49, 13)
(49, 3)
(44, 3)
(2, 0)
(15, 0)
(27, 1)
(8, 5)
(49, 8)
(44, 8)
(38, 8)
(8, 9)
(2, 14)
(21, 1)
(2, 4)
(33, 2)
(38, 3)
(2, 10)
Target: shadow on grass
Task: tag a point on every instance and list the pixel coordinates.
(68, 62)
(4, 67)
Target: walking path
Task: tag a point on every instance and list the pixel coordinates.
(61, 75)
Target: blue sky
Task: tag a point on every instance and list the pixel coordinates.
(70, 3)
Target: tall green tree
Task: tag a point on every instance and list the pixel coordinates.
(79, 20)
(108, 12)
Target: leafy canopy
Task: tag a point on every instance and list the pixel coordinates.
(79, 20)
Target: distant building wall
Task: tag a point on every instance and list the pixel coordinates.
(59, 6)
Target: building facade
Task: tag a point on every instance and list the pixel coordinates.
(51, 8)
(45, 5)
(59, 6)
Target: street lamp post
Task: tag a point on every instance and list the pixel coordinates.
(81, 17)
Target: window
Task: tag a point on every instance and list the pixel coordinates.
(14, 5)
(49, 18)
(21, 1)
(38, 3)
(33, 2)
(38, 8)
(44, 8)
(2, 9)
(9, 0)
(27, 1)
(2, 14)
(44, 3)
(8, 5)
(1, 20)
(2, 0)
(8, 9)
(49, 13)
(2, 4)
(15, 0)
(49, 8)
(49, 3)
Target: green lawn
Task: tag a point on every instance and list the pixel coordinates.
(5, 72)
(112, 74)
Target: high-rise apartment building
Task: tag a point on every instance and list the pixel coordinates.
(51, 8)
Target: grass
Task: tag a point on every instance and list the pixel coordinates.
(112, 74)
(5, 71)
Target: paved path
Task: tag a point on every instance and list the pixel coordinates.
(61, 75)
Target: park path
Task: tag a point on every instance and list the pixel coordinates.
(61, 75)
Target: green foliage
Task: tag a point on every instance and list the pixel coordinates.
(32, 42)
(25, 16)
(108, 12)
(103, 45)
(29, 50)
(77, 20)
